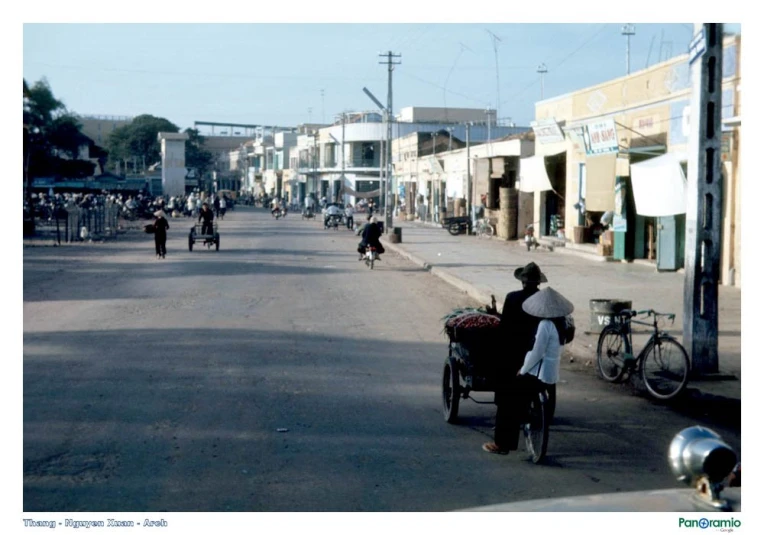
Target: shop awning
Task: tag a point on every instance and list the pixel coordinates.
(600, 183)
(533, 175)
(660, 186)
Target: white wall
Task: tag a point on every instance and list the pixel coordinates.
(173, 167)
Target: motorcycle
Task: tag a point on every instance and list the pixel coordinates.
(333, 221)
(370, 256)
(308, 214)
(457, 225)
(530, 239)
(281, 212)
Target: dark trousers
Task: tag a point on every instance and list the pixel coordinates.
(350, 222)
(512, 403)
(207, 228)
(160, 243)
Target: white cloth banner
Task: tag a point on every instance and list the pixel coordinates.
(533, 175)
(660, 187)
(454, 186)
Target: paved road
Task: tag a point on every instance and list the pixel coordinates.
(279, 374)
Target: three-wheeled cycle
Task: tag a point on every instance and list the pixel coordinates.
(471, 367)
(208, 236)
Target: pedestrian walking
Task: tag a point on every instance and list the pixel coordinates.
(161, 226)
(349, 216)
(223, 206)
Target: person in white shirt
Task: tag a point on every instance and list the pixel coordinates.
(541, 365)
(349, 216)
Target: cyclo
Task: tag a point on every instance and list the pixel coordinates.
(471, 366)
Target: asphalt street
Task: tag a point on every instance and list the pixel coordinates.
(280, 374)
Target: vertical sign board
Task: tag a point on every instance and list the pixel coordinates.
(697, 45)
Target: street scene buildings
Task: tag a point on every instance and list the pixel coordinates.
(287, 346)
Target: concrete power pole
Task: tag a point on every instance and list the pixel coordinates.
(704, 202)
(469, 178)
(336, 195)
(387, 197)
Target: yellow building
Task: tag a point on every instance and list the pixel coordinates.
(589, 141)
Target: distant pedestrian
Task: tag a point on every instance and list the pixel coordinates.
(349, 216)
(161, 226)
(223, 205)
(216, 206)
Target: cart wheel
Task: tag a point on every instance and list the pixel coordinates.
(190, 243)
(217, 243)
(451, 391)
(454, 229)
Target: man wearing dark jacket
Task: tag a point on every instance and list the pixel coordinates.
(518, 332)
(370, 236)
(206, 216)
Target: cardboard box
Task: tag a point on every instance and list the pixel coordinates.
(604, 249)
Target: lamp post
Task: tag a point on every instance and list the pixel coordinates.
(542, 70)
(628, 31)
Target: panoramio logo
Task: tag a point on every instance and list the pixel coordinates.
(714, 524)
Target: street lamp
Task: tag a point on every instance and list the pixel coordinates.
(628, 30)
(388, 167)
(542, 70)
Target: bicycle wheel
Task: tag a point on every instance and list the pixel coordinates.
(611, 347)
(537, 430)
(488, 231)
(450, 391)
(665, 367)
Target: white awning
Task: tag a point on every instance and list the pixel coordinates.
(533, 175)
(660, 186)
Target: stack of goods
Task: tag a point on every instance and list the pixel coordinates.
(470, 325)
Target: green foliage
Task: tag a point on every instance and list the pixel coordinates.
(138, 141)
(197, 157)
(52, 136)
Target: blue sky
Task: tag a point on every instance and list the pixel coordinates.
(273, 73)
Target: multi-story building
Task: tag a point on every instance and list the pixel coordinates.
(98, 127)
(589, 147)
(349, 153)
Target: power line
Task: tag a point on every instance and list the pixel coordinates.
(196, 74)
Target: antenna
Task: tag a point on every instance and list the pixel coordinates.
(496, 39)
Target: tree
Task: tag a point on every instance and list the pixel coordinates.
(138, 141)
(52, 136)
(197, 157)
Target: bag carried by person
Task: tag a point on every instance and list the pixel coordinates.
(570, 329)
(149, 229)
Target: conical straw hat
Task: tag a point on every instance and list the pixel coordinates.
(547, 303)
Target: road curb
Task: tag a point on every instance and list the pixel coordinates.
(457, 282)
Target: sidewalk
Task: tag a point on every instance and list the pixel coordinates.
(481, 267)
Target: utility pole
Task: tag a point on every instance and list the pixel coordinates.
(703, 232)
(628, 31)
(469, 176)
(342, 175)
(390, 62)
(496, 57)
(323, 115)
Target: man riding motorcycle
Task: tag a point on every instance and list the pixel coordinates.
(370, 236)
(332, 211)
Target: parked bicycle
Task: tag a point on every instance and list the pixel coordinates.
(483, 228)
(663, 363)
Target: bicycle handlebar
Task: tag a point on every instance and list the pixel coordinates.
(647, 312)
